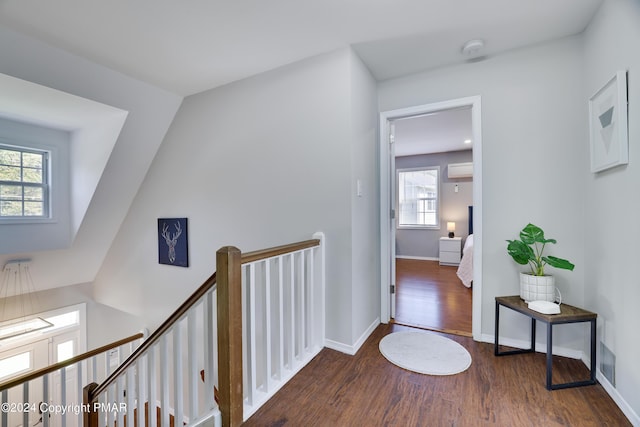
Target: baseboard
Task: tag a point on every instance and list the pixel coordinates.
(541, 347)
(626, 409)
(419, 258)
(352, 349)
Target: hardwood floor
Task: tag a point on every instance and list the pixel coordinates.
(336, 389)
(431, 296)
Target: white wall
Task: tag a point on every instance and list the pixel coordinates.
(365, 217)
(533, 145)
(257, 163)
(611, 205)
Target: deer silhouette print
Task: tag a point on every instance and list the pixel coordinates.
(171, 239)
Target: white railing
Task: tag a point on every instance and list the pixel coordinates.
(52, 396)
(283, 320)
(280, 307)
(172, 373)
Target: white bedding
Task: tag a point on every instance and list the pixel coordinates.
(465, 269)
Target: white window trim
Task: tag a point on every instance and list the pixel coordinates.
(438, 210)
(47, 185)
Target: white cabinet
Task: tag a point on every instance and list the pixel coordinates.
(450, 250)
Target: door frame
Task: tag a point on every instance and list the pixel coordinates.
(387, 204)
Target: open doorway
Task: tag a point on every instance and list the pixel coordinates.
(413, 232)
(434, 196)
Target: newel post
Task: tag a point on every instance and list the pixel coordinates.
(229, 305)
(90, 416)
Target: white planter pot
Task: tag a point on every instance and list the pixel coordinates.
(537, 288)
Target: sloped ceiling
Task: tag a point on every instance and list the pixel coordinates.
(190, 46)
(117, 125)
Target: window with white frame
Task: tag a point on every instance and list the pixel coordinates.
(418, 197)
(24, 183)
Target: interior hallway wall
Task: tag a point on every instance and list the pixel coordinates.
(534, 122)
(257, 163)
(611, 205)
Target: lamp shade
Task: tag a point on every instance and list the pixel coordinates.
(451, 226)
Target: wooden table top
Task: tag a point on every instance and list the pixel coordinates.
(568, 313)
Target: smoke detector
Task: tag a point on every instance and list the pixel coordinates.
(473, 48)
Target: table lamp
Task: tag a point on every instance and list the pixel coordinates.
(451, 227)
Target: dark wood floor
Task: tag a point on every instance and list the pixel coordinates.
(336, 389)
(432, 296)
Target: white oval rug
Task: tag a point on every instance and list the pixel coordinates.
(425, 353)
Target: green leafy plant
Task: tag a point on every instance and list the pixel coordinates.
(530, 248)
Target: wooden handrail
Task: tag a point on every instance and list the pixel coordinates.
(60, 365)
(155, 336)
(278, 250)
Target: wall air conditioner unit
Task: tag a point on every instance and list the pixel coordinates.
(460, 170)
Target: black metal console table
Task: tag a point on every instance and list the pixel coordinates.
(568, 314)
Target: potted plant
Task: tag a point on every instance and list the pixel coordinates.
(535, 285)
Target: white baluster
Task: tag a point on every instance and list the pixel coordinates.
(178, 385)
(292, 337)
(193, 363)
(246, 358)
(267, 326)
(151, 376)
(303, 298)
(94, 369)
(320, 293)
(119, 397)
(281, 317)
(110, 397)
(79, 386)
(208, 349)
(25, 398)
(251, 351)
(45, 398)
(131, 393)
(141, 368)
(63, 394)
(164, 379)
(312, 318)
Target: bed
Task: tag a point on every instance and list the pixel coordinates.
(465, 269)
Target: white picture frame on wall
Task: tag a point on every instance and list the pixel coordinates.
(608, 131)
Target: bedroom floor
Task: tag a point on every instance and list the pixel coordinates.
(431, 296)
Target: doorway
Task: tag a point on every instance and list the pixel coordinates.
(388, 213)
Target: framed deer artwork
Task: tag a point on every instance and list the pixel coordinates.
(173, 246)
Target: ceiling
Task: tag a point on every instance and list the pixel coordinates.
(438, 132)
(193, 45)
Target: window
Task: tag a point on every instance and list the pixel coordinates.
(15, 365)
(24, 189)
(418, 197)
(65, 351)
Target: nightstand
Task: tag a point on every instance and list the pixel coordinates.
(450, 250)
